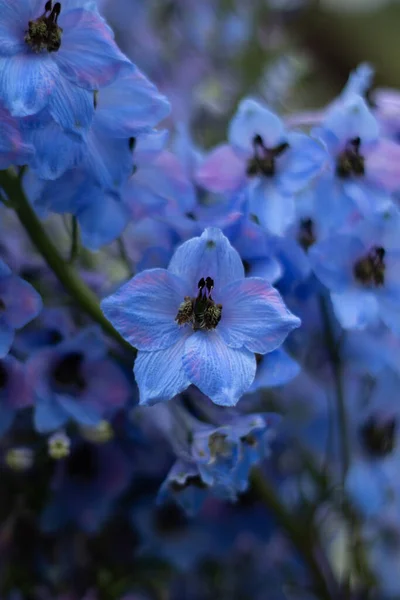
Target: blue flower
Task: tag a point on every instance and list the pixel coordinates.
(19, 304)
(200, 322)
(266, 162)
(75, 380)
(54, 55)
(14, 149)
(361, 270)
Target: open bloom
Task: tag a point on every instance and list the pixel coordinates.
(54, 55)
(199, 321)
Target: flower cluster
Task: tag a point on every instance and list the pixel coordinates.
(199, 341)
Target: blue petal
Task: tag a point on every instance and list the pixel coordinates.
(88, 55)
(221, 373)
(254, 119)
(274, 209)
(254, 316)
(276, 368)
(80, 411)
(352, 119)
(355, 309)
(27, 82)
(71, 106)
(160, 375)
(144, 309)
(49, 416)
(333, 261)
(209, 255)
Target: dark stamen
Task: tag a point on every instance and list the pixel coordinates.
(202, 312)
(306, 235)
(379, 436)
(263, 160)
(44, 34)
(370, 270)
(67, 374)
(350, 161)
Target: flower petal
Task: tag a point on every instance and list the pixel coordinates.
(160, 375)
(254, 316)
(82, 412)
(22, 302)
(254, 119)
(49, 416)
(88, 55)
(355, 309)
(6, 337)
(222, 373)
(222, 171)
(274, 209)
(276, 368)
(26, 83)
(144, 309)
(71, 106)
(210, 255)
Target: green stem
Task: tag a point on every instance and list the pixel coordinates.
(64, 272)
(325, 583)
(335, 358)
(74, 252)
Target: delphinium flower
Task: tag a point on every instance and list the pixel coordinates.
(54, 55)
(14, 149)
(361, 270)
(199, 321)
(264, 162)
(75, 380)
(19, 304)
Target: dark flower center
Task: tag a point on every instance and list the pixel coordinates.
(201, 312)
(350, 161)
(4, 376)
(370, 270)
(169, 519)
(67, 374)
(82, 464)
(2, 305)
(191, 481)
(43, 33)
(263, 160)
(306, 234)
(379, 437)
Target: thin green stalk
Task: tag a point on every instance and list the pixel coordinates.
(325, 584)
(65, 273)
(335, 358)
(74, 252)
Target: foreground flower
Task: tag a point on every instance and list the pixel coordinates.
(199, 322)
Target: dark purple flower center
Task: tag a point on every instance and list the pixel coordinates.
(169, 519)
(306, 234)
(44, 35)
(4, 376)
(263, 161)
(202, 312)
(379, 436)
(370, 270)
(67, 376)
(350, 161)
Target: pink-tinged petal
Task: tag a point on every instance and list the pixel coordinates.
(254, 316)
(144, 309)
(27, 81)
(210, 255)
(88, 55)
(160, 375)
(223, 374)
(223, 171)
(382, 165)
(21, 300)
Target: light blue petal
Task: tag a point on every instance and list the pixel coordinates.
(351, 119)
(254, 316)
(210, 255)
(160, 375)
(355, 309)
(102, 219)
(27, 82)
(144, 309)
(71, 106)
(301, 162)
(276, 368)
(221, 373)
(274, 209)
(49, 416)
(333, 261)
(254, 119)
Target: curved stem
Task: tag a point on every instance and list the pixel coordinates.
(64, 272)
(324, 580)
